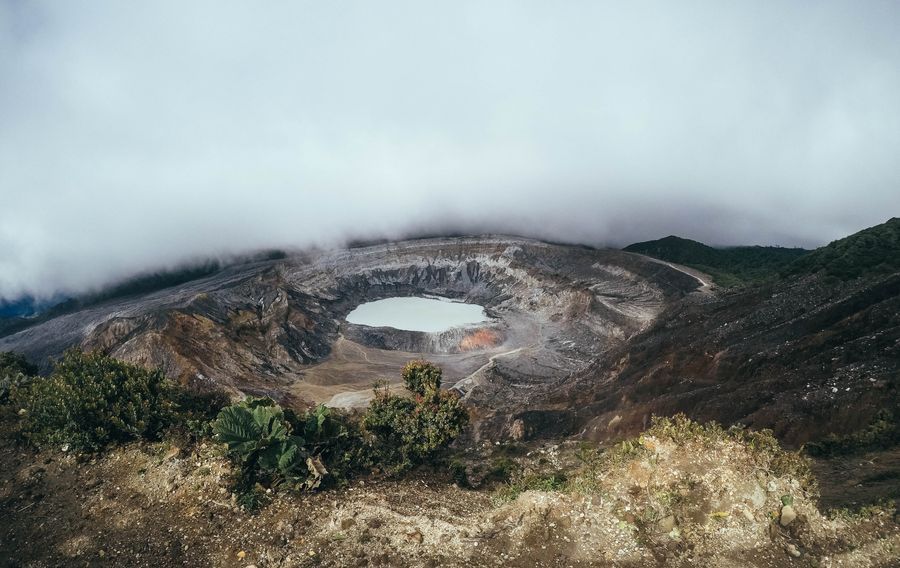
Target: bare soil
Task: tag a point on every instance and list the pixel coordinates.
(154, 504)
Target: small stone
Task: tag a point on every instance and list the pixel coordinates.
(675, 534)
(787, 515)
(241, 555)
(666, 524)
(792, 550)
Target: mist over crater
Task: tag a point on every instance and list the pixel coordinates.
(135, 139)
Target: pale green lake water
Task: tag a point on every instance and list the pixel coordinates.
(417, 314)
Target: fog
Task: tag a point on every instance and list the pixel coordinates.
(135, 136)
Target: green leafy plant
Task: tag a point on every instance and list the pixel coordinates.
(260, 439)
(408, 432)
(275, 447)
(91, 400)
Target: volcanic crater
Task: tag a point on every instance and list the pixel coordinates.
(278, 327)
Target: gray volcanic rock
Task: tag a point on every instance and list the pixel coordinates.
(277, 326)
(805, 357)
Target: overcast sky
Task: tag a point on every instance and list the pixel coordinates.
(136, 135)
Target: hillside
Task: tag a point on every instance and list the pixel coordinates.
(728, 266)
(871, 252)
(587, 347)
(277, 326)
(814, 355)
(681, 495)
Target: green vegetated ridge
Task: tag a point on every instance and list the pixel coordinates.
(728, 266)
(871, 252)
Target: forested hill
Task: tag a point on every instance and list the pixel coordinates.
(728, 266)
(871, 252)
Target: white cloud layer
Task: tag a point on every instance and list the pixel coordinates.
(138, 135)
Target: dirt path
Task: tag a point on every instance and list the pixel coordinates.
(328, 382)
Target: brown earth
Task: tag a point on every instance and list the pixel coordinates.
(688, 504)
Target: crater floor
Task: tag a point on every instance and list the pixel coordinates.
(278, 327)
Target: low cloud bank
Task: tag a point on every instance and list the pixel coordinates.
(138, 137)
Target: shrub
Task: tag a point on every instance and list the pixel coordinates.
(883, 432)
(408, 432)
(555, 481)
(761, 444)
(10, 383)
(196, 410)
(333, 438)
(90, 400)
(15, 373)
(15, 363)
(421, 377)
(276, 447)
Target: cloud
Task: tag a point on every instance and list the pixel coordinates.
(134, 137)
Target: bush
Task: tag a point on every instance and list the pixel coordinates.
(555, 481)
(275, 447)
(408, 432)
(91, 400)
(10, 383)
(333, 438)
(421, 377)
(882, 433)
(196, 409)
(14, 364)
(15, 373)
(762, 445)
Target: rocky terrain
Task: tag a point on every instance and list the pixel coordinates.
(581, 341)
(805, 357)
(276, 327)
(667, 499)
(582, 349)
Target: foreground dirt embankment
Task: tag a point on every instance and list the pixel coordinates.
(667, 499)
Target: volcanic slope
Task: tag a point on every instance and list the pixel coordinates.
(812, 349)
(277, 327)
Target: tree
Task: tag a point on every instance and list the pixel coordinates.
(421, 376)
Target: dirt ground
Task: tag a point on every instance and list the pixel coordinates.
(154, 504)
(344, 379)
